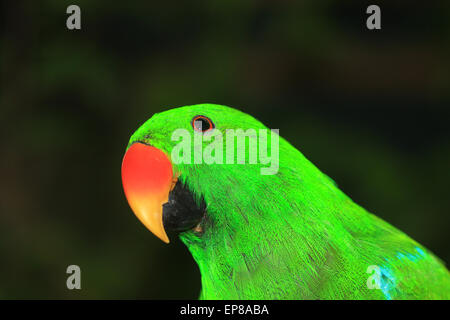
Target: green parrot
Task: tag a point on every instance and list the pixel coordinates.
(270, 226)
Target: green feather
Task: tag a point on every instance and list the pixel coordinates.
(292, 235)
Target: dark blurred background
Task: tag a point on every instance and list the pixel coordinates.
(369, 108)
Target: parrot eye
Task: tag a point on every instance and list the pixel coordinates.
(202, 124)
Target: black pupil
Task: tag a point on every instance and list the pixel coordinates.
(201, 124)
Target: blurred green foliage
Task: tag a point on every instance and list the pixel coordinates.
(369, 108)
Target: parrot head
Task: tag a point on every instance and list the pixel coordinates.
(170, 183)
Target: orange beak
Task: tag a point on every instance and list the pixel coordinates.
(147, 179)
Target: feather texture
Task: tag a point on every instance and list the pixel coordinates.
(292, 235)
